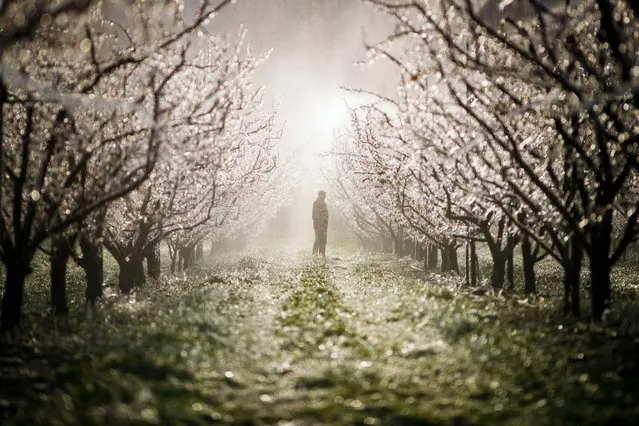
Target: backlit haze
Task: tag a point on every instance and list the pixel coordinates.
(317, 47)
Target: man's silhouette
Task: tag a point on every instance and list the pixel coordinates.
(320, 223)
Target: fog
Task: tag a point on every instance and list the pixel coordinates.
(316, 49)
(159, 165)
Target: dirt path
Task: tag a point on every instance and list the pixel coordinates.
(305, 341)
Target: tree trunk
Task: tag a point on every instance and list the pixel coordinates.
(499, 270)
(568, 277)
(180, 260)
(450, 262)
(17, 271)
(432, 256)
(572, 299)
(396, 247)
(445, 259)
(174, 258)
(572, 277)
(453, 260)
(467, 260)
(60, 253)
(600, 282)
(192, 254)
(601, 238)
(92, 264)
(152, 256)
(131, 274)
(510, 262)
(186, 258)
(427, 259)
(187, 255)
(530, 281)
(473, 264)
(199, 252)
(576, 255)
(174, 254)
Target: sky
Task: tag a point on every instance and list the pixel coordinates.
(314, 45)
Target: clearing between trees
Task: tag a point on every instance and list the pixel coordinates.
(298, 340)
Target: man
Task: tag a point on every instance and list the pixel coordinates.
(320, 223)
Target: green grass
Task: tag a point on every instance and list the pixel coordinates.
(312, 316)
(339, 341)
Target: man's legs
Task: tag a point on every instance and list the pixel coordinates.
(316, 243)
(322, 242)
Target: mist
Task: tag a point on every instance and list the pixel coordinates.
(319, 212)
(317, 49)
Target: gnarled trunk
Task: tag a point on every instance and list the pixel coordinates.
(60, 254)
(174, 259)
(453, 260)
(600, 286)
(397, 246)
(499, 270)
(131, 274)
(450, 261)
(530, 281)
(510, 262)
(473, 264)
(576, 255)
(199, 252)
(174, 254)
(432, 256)
(572, 276)
(187, 257)
(92, 264)
(467, 260)
(17, 271)
(153, 263)
(445, 264)
(600, 265)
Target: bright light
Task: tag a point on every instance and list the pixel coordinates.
(325, 115)
(312, 121)
(330, 114)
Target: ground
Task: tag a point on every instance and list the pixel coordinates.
(297, 340)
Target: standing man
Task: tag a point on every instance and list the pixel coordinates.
(320, 223)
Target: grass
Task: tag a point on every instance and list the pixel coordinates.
(291, 339)
(511, 356)
(312, 316)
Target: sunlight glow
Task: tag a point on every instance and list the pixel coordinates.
(311, 124)
(330, 114)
